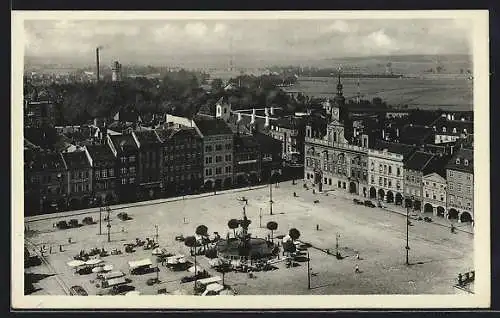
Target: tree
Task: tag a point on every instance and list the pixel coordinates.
(272, 226)
(233, 224)
(191, 242)
(294, 234)
(202, 231)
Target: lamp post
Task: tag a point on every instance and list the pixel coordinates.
(156, 235)
(407, 247)
(100, 219)
(270, 196)
(260, 218)
(109, 224)
(337, 244)
(308, 271)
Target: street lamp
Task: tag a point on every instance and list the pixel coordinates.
(270, 196)
(407, 247)
(109, 224)
(308, 271)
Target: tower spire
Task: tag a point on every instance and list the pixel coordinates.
(339, 83)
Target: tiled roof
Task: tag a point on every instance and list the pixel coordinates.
(245, 141)
(210, 127)
(464, 156)
(418, 161)
(402, 149)
(167, 133)
(127, 141)
(146, 137)
(76, 160)
(39, 161)
(100, 152)
(267, 143)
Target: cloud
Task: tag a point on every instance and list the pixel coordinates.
(339, 26)
(381, 40)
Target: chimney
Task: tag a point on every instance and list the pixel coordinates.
(272, 110)
(397, 132)
(97, 62)
(253, 116)
(383, 133)
(267, 121)
(266, 111)
(239, 117)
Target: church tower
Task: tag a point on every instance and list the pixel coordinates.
(339, 97)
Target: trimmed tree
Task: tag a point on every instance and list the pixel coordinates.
(272, 226)
(191, 242)
(233, 224)
(294, 234)
(202, 230)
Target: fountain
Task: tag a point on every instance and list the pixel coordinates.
(244, 246)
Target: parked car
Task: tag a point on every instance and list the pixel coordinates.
(123, 216)
(200, 275)
(369, 203)
(62, 225)
(152, 281)
(73, 223)
(88, 220)
(427, 219)
(357, 201)
(78, 291)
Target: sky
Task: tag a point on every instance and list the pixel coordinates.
(149, 41)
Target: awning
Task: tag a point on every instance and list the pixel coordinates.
(97, 269)
(116, 281)
(209, 280)
(108, 267)
(140, 263)
(94, 261)
(76, 263)
(216, 287)
(113, 275)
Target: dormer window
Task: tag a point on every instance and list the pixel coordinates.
(465, 130)
(466, 162)
(444, 129)
(457, 161)
(454, 130)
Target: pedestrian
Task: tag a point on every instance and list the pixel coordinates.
(50, 250)
(452, 228)
(314, 191)
(69, 240)
(357, 255)
(123, 229)
(60, 248)
(356, 269)
(317, 227)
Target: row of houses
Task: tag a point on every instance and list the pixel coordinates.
(182, 157)
(393, 172)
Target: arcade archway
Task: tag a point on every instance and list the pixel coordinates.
(381, 194)
(428, 208)
(453, 214)
(352, 187)
(440, 211)
(373, 193)
(465, 217)
(390, 197)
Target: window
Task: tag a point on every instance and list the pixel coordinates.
(131, 158)
(208, 171)
(97, 174)
(466, 162)
(379, 181)
(459, 187)
(104, 173)
(329, 181)
(399, 172)
(442, 198)
(457, 161)
(385, 182)
(325, 180)
(385, 168)
(228, 146)
(390, 169)
(218, 147)
(218, 158)
(339, 184)
(123, 170)
(372, 166)
(228, 169)
(426, 194)
(412, 178)
(124, 181)
(450, 173)
(131, 180)
(389, 183)
(132, 170)
(123, 159)
(228, 158)
(450, 186)
(208, 148)
(468, 190)
(218, 170)
(208, 160)
(434, 196)
(380, 168)
(111, 172)
(372, 179)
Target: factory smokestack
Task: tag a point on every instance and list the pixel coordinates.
(97, 62)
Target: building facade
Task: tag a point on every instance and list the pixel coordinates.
(247, 160)
(217, 152)
(126, 155)
(434, 194)
(45, 183)
(103, 164)
(270, 156)
(460, 186)
(414, 169)
(79, 186)
(182, 152)
(150, 165)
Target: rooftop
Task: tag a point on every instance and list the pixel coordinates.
(267, 143)
(402, 149)
(40, 161)
(245, 141)
(76, 160)
(100, 152)
(125, 141)
(462, 160)
(147, 137)
(418, 161)
(210, 127)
